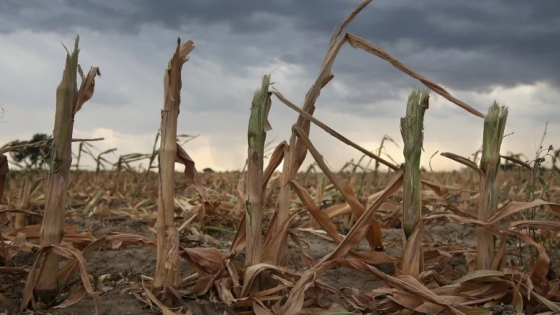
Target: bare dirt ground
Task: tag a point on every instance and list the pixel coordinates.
(117, 271)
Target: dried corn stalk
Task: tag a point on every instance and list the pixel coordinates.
(69, 100)
(412, 130)
(494, 126)
(256, 135)
(168, 274)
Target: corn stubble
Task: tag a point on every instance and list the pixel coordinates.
(168, 275)
(494, 126)
(265, 284)
(42, 279)
(256, 136)
(412, 130)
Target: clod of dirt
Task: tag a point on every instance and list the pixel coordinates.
(503, 309)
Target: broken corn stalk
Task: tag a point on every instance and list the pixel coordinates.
(256, 135)
(494, 126)
(412, 128)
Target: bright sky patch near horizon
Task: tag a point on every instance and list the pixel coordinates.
(499, 50)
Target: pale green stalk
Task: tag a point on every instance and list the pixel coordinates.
(256, 135)
(494, 126)
(412, 127)
(412, 130)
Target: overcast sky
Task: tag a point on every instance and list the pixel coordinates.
(503, 50)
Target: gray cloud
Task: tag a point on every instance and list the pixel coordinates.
(466, 44)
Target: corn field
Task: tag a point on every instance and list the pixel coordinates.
(375, 237)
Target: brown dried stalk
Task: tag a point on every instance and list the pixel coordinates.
(358, 42)
(374, 235)
(294, 302)
(69, 99)
(333, 132)
(167, 266)
(24, 199)
(297, 150)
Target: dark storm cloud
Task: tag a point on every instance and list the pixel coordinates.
(465, 44)
(127, 15)
(248, 16)
(511, 42)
